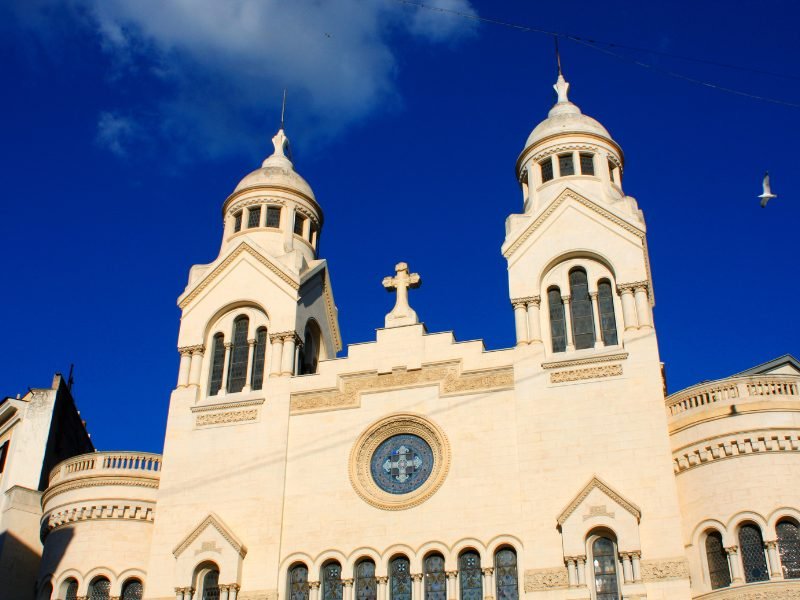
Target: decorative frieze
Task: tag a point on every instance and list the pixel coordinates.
(538, 580)
(224, 418)
(659, 570)
(588, 373)
(589, 360)
(75, 514)
(743, 443)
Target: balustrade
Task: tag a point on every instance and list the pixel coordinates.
(734, 388)
(144, 463)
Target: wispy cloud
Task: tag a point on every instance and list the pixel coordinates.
(115, 132)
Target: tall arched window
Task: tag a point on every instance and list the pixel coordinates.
(718, 571)
(310, 354)
(558, 330)
(132, 590)
(789, 548)
(237, 370)
(400, 579)
(298, 582)
(469, 572)
(605, 305)
(71, 591)
(435, 581)
(752, 549)
(365, 582)
(506, 578)
(604, 562)
(581, 308)
(99, 589)
(332, 581)
(217, 364)
(259, 356)
(211, 585)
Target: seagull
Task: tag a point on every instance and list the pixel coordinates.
(767, 195)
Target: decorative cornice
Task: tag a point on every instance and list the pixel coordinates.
(247, 202)
(123, 510)
(265, 186)
(98, 481)
(227, 405)
(538, 580)
(589, 360)
(587, 373)
(211, 521)
(734, 445)
(448, 375)
(633, 286)
(598, 483)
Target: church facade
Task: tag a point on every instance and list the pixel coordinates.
(422, 468)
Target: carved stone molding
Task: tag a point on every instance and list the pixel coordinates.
(211, 521)
(448, 376)
(196, 349)
(588, 373)
(562, 147)
(741, 443)
(76, 484)
(537, 580)
(227, 405)
(621, 287)
(247, 202)
(535, 300)
(124, 510)
(576, 362)
(232, 416)
(772, 590)
(598, 483)
(659, 570)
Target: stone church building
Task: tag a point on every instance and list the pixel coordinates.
(290, 474)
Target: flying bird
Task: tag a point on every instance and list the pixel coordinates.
(767, 195)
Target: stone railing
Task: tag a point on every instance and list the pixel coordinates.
(107, 463)
(732, 390)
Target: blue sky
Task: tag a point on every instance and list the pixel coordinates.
(126, 123)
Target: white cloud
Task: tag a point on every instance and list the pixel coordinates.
(220, 66)
(115, 132)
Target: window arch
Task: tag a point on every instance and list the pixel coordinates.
(70, 589)
(605, 305)
(366, 586)
(604, 565)
(435, 581)
(400, 578)
(718, 571)
(298, 582)
(99, 589)
(581, 309)
(217, 364)
(332, 581)
(259, 359)
(752, 548)
(506, 578)
(132, 590)
(789, 548)
(469, 572)
(558, 330)
(237, 369)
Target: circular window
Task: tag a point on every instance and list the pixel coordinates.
(399, 461)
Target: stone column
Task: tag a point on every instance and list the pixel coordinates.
(313, 590)
(178, 593)
(643, 305)
(774, 561)
(733, 562)
(534, 325)
(276, 340)
(188, 593)
(568, 322)
(416, 586)
(224, 591)
(628, 307)
(581, 560)
(520, 321)
(627, 567)
(452, 591)
(636, 558)
(572, 570)
(183, 369)
(233, 591)
(195, 364)
(348, 589)
(226, 365)
(382, 588)
(289, 344)
(598, 326)
(248, 378)
(488, 583)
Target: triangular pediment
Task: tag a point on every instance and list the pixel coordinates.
(598, 484)
(783, 365)
(223, 530)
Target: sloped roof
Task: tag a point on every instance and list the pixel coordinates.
(772, 365)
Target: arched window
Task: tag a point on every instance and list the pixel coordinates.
(558, 330)
(309, 357)
(99, 589)
(259, 356)
(581, 307)
(298, 582)
(435, 582)
(71, 590)
(237, 370)
(469, 572)
(506, 578)
(604, 562)
(400, 579)
(605, 305)
(332, 581)
(789, 548)
(217, 364)
(365, 582)
(132, 590)
(210, 585)
(752, 549)
(718, 572)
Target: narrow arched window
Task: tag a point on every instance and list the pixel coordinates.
(259, 356)
(558, 330)
(309, 357)
(581, 308)
(605, 305)
(332, 581)
(298, 582)
(469, 572)
(789, 548)
(211, 585)
(718, 571)
(400, 579)
(435, 581)
(132, 590)
(71, 591)
(604, 561)
(237, 370)
(506, 578)
(99, 589)
(752, 549)
(217, 364)
(365, 582)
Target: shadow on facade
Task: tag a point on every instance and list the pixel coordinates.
(19, 568)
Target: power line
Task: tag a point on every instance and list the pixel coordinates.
(597, 45)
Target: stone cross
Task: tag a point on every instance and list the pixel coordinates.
(402, 313)
(402, 464)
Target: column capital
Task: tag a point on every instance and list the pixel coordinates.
(632, 286)
(525, 300)
(417, 576)
(114, 598)
(566, 298)
(451, 574)
(771, 544)
(314, 585)
(570, 559)
(581, 557)
(593, 295)
(347, 582)
(383, 579)
(625, 555)
(487, 570)
(228, 345)
(189, 350)
(518, 302)
(635, 554)
(276, 337)
(285, 336)
(251, 342)
(234, 587)
(224, 587)
(732, 549)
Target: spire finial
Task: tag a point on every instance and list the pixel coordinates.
(558, 55)
(283, 107)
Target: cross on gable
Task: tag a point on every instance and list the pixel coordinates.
(402, 313)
